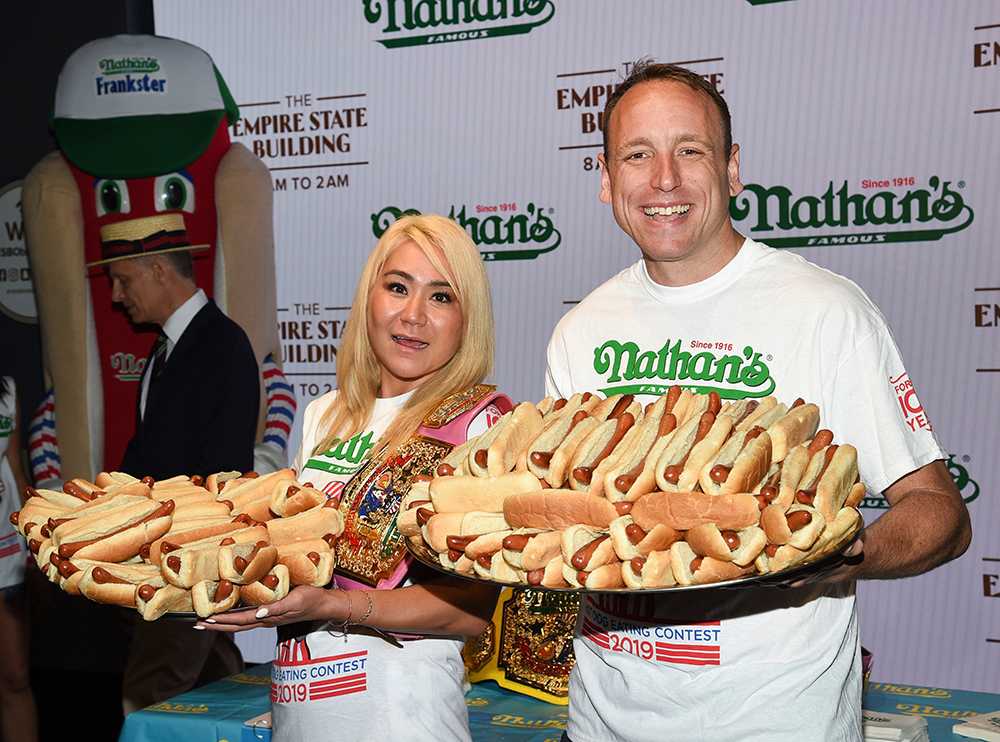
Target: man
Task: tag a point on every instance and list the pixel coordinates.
(788, 663)
(196, 414)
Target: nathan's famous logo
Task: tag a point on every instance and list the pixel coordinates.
(6, 425)
(343, 457)
(131, 68)
(966, 485)
(941, 208)
(129, 367)
(533, 232)
(448, 20)
(129, 64)
(644, 370)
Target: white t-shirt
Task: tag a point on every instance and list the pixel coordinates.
(12, 547)
(360, 686)
(748, 664)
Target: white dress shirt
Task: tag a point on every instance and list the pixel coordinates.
(173, 328)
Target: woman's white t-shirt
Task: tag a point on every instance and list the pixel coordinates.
(360, 686)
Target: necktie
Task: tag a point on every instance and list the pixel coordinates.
(159, 356)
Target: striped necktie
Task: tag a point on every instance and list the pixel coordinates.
(159, 356)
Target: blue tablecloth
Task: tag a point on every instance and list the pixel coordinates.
(217, 712)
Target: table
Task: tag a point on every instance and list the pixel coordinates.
(217, 712)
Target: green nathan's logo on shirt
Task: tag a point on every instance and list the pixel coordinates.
(629, 369)
(343, 457)
(940, 210)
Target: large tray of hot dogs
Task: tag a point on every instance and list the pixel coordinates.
(183, 546)
(601, 495)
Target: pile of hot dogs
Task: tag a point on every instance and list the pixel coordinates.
(599, 493)
(182, 545)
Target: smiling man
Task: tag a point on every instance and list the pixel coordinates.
(196, 413)
(709, 309)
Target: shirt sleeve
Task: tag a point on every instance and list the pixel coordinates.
(873, 405)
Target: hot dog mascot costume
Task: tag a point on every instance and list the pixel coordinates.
(142, 124)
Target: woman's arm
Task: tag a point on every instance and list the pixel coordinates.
(443, 605)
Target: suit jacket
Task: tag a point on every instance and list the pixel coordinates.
(201, 414)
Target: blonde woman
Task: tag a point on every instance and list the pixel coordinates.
(380, 656)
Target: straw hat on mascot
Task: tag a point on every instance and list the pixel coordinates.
(142, 125)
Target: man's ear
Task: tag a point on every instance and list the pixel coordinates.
(159, 270)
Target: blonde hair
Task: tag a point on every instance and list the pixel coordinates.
(359, 373)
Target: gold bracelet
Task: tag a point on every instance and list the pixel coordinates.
(367, 613)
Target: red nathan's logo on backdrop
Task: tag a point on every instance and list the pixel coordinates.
(913, 411)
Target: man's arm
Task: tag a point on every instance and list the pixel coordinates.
(231, 393)
(926, 525)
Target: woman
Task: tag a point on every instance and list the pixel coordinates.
(18, 721)
(420, 332)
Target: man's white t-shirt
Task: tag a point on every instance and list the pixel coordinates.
(750, 664)
(360, 686)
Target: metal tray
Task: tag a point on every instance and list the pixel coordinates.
(800, 571)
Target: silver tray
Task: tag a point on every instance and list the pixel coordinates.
(800, 571)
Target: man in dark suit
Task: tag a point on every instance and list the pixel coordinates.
(196, 413)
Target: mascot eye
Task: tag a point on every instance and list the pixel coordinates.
(111, 197)
(174, 192)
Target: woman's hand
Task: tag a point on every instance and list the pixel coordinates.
(303, 603)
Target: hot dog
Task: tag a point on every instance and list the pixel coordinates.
(315, 523)
(691, 569)
(740, 547)
(115, 584)
(499, 446)
(690, 448)
(530, 549)
(633, 473)
(181, 535)
(273, 586)
(651, 570)
(585, 550)
(291, 498)
(605, 577)
(685, 510)
(309, 562)
(596, 453)
(800, 526)
(247, 562)
(631, 541)
(463, 494)
(211, 596)
(739, 466)
(558, 509)
(154, 600)
(116, 536)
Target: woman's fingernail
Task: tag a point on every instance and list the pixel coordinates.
(198, 627)
(261, 613)
(210, 620)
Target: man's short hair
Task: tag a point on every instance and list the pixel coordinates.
(180, 260)
(646, 70)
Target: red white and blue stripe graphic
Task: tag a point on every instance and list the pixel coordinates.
(628, 623)
(296, 678)
(43, 449)
(11, 545)
(281, 406)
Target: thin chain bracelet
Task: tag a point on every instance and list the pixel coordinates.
(367, 613)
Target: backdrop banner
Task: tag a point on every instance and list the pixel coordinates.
(868, 136)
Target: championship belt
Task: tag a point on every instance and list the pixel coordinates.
(528, 648)
(371, 552)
